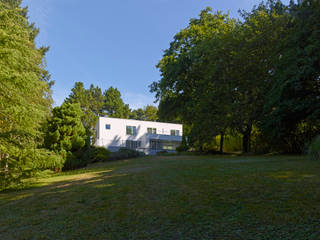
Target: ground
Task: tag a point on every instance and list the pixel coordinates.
(171, 197)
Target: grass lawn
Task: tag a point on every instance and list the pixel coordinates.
(171, 197)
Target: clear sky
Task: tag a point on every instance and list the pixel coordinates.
(114, 42)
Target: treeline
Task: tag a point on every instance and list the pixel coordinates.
(94, 103)
(258, 77)
(70, 129)
(33, 135)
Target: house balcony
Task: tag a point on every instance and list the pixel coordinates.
(164, 137)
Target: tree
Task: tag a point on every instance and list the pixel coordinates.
(191, 74)
(25, 96)
(114, 105)
(91, 102)
(66, 134)
(151, 113)
(253, 63)
(292, 110)
(217, 70)
(148, 113)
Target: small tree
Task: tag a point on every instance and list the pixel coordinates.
(66, 134)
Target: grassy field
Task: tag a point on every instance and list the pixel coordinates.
(173, 197)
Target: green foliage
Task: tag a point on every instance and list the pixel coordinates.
(222, 76)
(85, 156)
(76, 159)
(124, 153)
(25, 95)
(148, 113)
(314, 149)
(293, 102)
(100, 154)
(183, 146)
(91, 102)
(65, 133)
(114, 105)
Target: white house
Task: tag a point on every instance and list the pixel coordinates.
(149, 137)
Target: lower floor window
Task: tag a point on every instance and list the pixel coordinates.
(163, 145)
(133, 144)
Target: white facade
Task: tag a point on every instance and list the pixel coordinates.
(149, 137)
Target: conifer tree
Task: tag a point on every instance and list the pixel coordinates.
(25, 97)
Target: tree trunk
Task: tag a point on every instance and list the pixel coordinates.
(221, 141)
(246, 146)
(200, 146)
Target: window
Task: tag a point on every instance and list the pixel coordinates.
(163, 145)
(133, 144)
(108, 126)
(131, 130)
(174, 133)
(154, 144)
(152, 130)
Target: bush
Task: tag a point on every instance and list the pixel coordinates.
(83, 157)
(100, 154)
(182, 148)
(163, 152)
(314, 149)
(33, 161)
(48, 160)
(125, 153)
(78, 159)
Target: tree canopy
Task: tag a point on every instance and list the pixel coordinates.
(222, 75)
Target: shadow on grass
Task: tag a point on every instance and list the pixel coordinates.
(63, 183)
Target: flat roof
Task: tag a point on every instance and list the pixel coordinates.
(141, 120)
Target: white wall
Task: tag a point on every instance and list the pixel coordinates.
(117, 134)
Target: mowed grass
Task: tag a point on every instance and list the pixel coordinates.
(172, 197)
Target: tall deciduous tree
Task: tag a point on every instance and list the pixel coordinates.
(292, 109)
(192, 77)
(217, 70)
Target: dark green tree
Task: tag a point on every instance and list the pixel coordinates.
(292, 110)
(66, 134)
(217, 70)
(192, 77)
(148, 113)
(91, 102)
(114, 105)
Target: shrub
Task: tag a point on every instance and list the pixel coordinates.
(85, 156)
(182, 148)
(125, 153)
(314, 149)
(47, 160)
(33, 161)
(163, 152)
(100, 154)
(76, 160)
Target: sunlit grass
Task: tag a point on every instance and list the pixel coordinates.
(170, 197)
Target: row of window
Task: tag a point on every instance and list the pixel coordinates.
(163, 145)
(154, 145)
(133, 144)
(132, 130)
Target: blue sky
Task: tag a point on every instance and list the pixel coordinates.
(114, 42)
